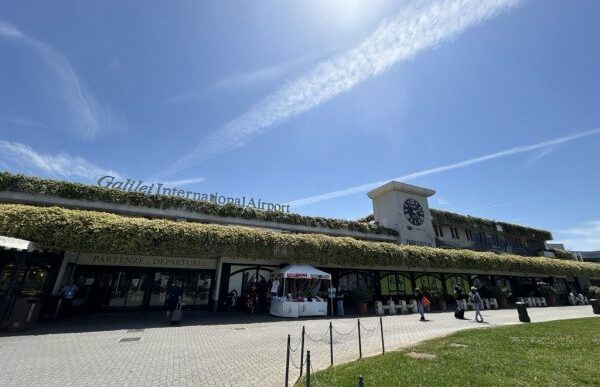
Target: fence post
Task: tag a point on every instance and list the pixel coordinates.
(287, 363)
(382, 342)
(331, 342)
(302, 352)
(361, 382)
(307, 368)
(359, 341)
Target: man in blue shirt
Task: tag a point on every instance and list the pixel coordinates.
(68, 293)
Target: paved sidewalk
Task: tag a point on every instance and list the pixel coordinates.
(219, 351)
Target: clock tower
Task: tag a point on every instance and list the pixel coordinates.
(404, 208)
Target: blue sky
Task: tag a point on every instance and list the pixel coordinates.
(492, 104)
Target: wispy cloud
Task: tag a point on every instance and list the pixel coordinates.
(184, 182)
(419, 26)
(583, 237)
(19, 157)
(541, 154)
(22, 121)
(441, 201)
(87, 117)
(444, 168)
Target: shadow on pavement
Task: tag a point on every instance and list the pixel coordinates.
(112, 321)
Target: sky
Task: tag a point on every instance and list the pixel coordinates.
(493, 104)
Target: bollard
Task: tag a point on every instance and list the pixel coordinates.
(359, 342)
(522, 309)
(287, 363)
(382, 342)
(331, 342)
(595, 303)
(307, 368)
(302, 352)
(361, 382)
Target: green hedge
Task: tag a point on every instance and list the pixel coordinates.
(562, 254)
(64, 229)
(32, 185)
(488, 225)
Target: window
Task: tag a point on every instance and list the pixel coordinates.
(482, 237)
(454, 232)
(429, 283)
(469, 235)
(395, 284)
(495, 239)
(456, 279)
(438, 231)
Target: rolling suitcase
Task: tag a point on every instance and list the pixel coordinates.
(176, 316)
(459, 314)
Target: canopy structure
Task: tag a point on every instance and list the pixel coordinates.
(295, 271)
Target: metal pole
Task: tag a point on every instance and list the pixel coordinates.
(287, 363)
(359, 341)
(361, 382)
(382, 342)
(331, 342)
(307, 368)
(302, 352)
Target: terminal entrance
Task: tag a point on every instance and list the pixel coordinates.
(102, 287)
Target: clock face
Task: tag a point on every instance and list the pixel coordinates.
(414, 212)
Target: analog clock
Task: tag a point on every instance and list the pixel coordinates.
(414, 212)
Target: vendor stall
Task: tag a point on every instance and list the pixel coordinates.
(299, 290)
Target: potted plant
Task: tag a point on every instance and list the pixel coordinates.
(501, 294)
(437, 299)
(361, 297)
(549, 293)
(594, 291)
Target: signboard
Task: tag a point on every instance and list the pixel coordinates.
(132, 185)
(101, 259)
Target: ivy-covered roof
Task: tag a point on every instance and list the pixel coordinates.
(471, 222)
(68, 190)
(78, 230)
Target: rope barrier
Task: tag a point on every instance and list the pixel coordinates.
(362, 326)
(295, 365)
(345, 334)
(316, 341)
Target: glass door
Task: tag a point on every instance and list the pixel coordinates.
(118, 289)
(159, 288)
(136, 288)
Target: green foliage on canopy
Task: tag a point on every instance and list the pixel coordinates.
(64, 189)
(487, 225)
(65, 229)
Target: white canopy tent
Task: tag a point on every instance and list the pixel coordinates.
(302, 271)
(309, 280)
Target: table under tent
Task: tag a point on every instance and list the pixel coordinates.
(299, 290)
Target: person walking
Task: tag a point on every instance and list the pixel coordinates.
(475, 299)
(459, 313)
(68, 293)
(422, 302)
(339, 300)
(173, 298)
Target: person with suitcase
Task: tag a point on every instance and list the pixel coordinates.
(173, 302)
(459, 313)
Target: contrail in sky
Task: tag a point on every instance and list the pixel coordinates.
(444, 168)
(417, 27)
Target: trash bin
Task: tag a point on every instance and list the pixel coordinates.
(24, 314)
(595, 305)
(522, 309)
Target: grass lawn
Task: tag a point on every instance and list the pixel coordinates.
(558, 353)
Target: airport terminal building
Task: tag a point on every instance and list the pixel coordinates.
(124, 248)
